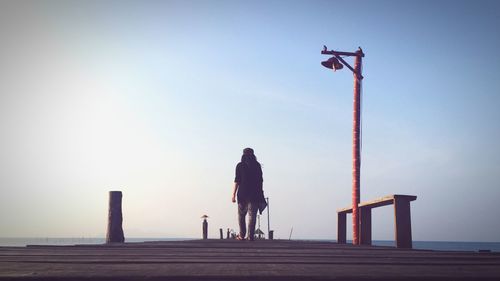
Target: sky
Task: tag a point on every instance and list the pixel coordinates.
(157, 99)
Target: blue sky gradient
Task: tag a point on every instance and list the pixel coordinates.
(158, 98)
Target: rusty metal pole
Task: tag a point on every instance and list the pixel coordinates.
(356, 155)
(337, 62)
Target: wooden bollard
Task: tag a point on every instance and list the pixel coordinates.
(115, 219)
(221, 233)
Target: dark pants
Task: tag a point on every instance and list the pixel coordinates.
(250, 208)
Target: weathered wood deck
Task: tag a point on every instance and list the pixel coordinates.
(236, 260)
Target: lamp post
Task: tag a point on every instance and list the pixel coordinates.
(205, 226)
(336, 62)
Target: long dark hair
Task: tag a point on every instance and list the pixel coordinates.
(250, 160)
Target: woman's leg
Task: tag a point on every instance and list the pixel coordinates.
(252, 218)
(242, 212)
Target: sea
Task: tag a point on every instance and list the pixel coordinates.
(423, 245)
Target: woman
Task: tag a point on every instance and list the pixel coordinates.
(248, 186)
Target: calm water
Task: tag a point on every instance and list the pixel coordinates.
(21, 242)
(447, 246)
(427, 245)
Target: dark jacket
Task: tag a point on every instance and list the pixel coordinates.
(249, 179)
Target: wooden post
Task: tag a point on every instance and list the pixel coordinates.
(115, 219)
(341, 228)
(228, 234)
(221, 233)
(205, 229)
(402, 222)
(365, 225)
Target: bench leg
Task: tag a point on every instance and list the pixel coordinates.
(341, 228)
(365, 225)
(403, 223)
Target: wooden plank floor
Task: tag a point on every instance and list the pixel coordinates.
(236, 260)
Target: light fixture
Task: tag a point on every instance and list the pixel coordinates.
(332, 63)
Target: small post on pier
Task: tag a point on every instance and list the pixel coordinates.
(365, 225)
(115, 218)
(341, 228)
(269, 236)
(221, 233)
(205, 227)
(402, 222)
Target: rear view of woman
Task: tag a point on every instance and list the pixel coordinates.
(248, 187)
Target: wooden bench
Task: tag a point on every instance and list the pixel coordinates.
(402, 219)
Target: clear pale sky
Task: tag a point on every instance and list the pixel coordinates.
(158, 99)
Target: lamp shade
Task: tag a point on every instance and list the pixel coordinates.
(332, 63)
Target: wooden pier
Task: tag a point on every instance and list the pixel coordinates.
(242, 260)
